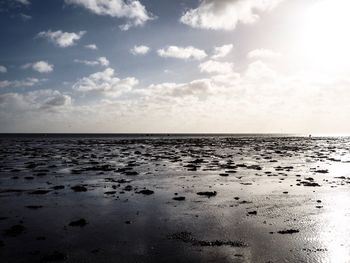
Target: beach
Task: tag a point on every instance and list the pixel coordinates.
(173, 198)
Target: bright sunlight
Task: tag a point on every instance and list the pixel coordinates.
(325, 38)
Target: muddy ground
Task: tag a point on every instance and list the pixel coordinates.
(174, 199)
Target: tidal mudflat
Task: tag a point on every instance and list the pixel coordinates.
(174, 199)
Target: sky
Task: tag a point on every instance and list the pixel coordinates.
(165, 66)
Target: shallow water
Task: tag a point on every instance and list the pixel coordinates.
(274, 199)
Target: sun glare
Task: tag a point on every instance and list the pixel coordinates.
(325, 39)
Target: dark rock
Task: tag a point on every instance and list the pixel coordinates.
(81, 222)
(31, 166)
(131, 173)
(55, 256)
(58, 187)
(105, 168)
(123, 181)
(14, 231)
(34, 207)
(40, 174)
(179, 198)
(310, 184)
(79, 188)
(29, 177)
(254, 167)
(145, 192)
(289, 231)
(321, 171)
(340, 177)
(309, 179)
(207, 194)
(110, 192)
(127, 188)
(252, 212)
(188, 238)
(219, 243)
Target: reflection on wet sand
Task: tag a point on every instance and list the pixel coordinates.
(335, 230)
(174, 199)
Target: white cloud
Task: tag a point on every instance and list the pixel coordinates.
(40, 66)
(222, 51)
(182, 53)
(28, 82)
(43, 67)
(139, 50)
(23, 2)
(226, 14)
(220, 103)
(133, 11)
(27, 66)
(102, 61)
(87, 62)
(263, 53)
(212, 66)
(3, 69)
(5, 83)
(35, 100)
(260, 71)
(200, 88)
(105, 82)
(91, 46)
(62, 39)
(25, 17)
(54, 99)
(224, 84)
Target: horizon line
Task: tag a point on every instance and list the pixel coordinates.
(176, 134)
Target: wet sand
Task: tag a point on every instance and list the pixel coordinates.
(174, 199)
